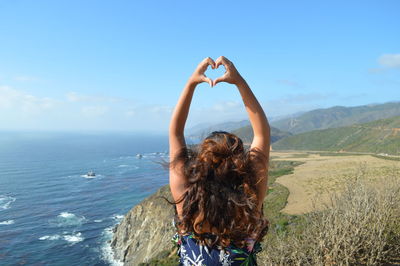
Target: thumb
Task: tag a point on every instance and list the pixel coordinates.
(208, 80)
(218, 80)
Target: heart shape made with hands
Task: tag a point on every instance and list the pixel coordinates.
(213, 74)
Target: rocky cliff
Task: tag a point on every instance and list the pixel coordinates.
(146, 230)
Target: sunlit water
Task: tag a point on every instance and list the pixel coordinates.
(52, 213)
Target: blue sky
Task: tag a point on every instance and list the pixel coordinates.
(121, 65)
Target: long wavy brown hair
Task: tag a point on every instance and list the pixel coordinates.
(221, 191)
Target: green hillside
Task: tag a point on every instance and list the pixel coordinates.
(338, 116)
(246, 134)
(381, 136)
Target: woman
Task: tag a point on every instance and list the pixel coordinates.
(219, 187)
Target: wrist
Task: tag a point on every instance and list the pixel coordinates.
(241, 83)
(192, 82)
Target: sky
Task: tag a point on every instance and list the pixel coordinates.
(121, 65)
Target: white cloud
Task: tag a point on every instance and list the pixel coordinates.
(26, 78)
(389, 60)
(229, 106)
(94, 111)
(161, 109)
(130, 113)
(24, 103)
(23, 110)
(76, 97)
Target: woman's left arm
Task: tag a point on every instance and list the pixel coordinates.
(177, 125)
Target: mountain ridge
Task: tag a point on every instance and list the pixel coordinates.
(379, 136)
(337, 116)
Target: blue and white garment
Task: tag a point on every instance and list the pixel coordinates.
(194, 254)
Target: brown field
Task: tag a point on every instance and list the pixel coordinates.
(312, 183)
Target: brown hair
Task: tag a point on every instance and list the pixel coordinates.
(221, 190)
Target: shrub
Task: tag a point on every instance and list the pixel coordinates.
(360, 226)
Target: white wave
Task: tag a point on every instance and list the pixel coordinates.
(89, 176)
(53, 237)
(7, 222)
(69, 219)
(66, 215)
(5, 201)
(74, 238)
(126, 166)
(107, 252)
(123, 158)
(117, 217)
(98, 221)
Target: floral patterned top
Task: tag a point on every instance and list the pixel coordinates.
(193, 254)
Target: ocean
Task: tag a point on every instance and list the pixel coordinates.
(52, 212)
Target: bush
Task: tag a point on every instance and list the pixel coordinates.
(361, 226)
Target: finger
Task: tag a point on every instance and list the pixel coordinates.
(218, 80)
(218, 62)
(222, 60)
(205, 63)
(210, 62)
(207, 79)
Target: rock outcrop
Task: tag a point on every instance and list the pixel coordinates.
(146, 230)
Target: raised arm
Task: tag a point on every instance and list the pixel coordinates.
(258, 120)
(177, 179)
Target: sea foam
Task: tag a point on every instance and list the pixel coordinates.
(7, 222)
(89, 177)
(117, 217)
(68, 219)
(53, 237)
(74, 238)
(5, 201)
(107, 253)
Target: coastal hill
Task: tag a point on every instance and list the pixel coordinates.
(381, 136)
(242, 129)
(200, 131)
(246, 134)
(337, 116)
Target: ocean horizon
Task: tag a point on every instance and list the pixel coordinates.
(52, 212)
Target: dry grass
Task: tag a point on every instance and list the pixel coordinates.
(319, 176)
(359, 226)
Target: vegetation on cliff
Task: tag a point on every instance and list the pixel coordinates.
(361, 226)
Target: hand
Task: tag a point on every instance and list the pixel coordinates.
(198, 75)
(231, 75)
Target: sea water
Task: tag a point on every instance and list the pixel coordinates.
(52, 212)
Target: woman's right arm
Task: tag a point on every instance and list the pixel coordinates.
(261, 140)
(258, 120)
